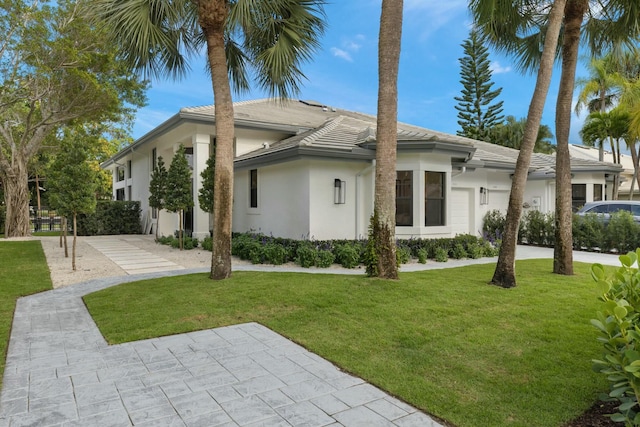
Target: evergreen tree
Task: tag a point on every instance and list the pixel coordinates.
(178, 195)
(205, 195)
(158, 189)
(72, 181)
(510, 133)
(476, 112)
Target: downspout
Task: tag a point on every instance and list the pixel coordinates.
(358, 176)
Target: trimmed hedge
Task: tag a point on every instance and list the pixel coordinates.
(111, 217)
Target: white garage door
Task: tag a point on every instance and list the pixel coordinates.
(460, 211)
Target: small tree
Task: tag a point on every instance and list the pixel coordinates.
(205, 195)
(178, 195)
(72, 181)
(158, 189)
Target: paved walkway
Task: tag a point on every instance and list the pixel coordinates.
(61, 372)
(130, 258)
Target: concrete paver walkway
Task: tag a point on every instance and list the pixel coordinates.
(130, 258)
(61, 372)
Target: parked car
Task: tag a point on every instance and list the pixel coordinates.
(608, 207)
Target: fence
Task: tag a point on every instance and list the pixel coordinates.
(44, 219)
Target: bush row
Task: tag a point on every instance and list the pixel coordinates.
(111, 217)
(621, 234)
(261, 249)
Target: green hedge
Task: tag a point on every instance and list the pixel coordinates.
(111, 217)
(622, 234)
(3, 214)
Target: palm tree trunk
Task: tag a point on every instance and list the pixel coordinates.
(505, 272)
(386, 138)
(563, 249)
(213, 16)
(634, 160)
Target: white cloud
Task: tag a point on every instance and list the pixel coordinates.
(341, 54)
(496, 68)
(432, 15)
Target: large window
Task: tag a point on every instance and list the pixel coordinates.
(253, 188)
(404, 198)
(434, 202)
(578, 196)
(120, 173)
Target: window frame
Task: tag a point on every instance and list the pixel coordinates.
(406, 190)
(441, 198)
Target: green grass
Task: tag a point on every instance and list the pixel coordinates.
(23, 271)
(442, 340)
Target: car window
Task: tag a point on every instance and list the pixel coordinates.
(619, 207)
(599, 209)
(635, 210)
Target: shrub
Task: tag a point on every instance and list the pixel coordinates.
(207, 244)
(622, 232)
(538, 228)
(347, 255)
(458, 251)
(3, 214)
(618, 323)
(422, 256)
(493, 225)
(441, 255)
(275, 253)
(306, 255)
(403, 254)
(475, 251)
(324, 258)
(111, 217)
(589, 232)
(189, 243)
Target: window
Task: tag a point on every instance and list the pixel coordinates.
(404, 198)
(597, 192)
(120, 173)
(120, 194)
(578, 196)
(434, 202)
(129, 170)
(253, 188)
(154, 159)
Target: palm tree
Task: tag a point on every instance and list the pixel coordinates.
(384, 218)
(504, 28)
(270, 37)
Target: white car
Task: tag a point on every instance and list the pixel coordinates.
(608, 207)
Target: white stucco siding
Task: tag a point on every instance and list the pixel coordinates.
(283, 201)
(331, 220)
(248, 140)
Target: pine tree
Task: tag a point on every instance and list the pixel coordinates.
(475, 112)
(158, 189)
(178, 196)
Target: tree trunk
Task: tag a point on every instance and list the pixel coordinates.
(634, 160)
(66, 246)
(505, 272)
(386, 138)
(157, 223)
(212, 15)
(16, 199)
(75, 234)
(181, 216)
(563, 249)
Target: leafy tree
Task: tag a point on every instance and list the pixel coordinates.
(504, 28)
(178, 195)
(205, 194)
(268, 39)
(55, 67)
(158, 189)
(477, 113)
(72, 181)
(384, 217)
(510, 133)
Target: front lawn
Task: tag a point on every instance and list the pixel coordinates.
(442, 340)
(23, 271)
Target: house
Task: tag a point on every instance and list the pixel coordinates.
(628, 189)
(306, 170)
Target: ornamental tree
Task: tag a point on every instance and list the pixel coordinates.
(178, 195)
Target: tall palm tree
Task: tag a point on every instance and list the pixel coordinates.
(384, 218)
(269, 37)
(505, 29)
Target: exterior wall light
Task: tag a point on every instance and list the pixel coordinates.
(339, 192)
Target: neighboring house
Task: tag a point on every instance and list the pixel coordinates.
(627, 186)
(306, 170)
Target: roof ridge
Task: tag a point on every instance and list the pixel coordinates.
(326, 127)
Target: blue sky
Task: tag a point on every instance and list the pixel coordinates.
(343, 72)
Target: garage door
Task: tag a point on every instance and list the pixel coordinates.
(460, 211)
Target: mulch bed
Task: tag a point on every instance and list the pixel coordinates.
(596, 416)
